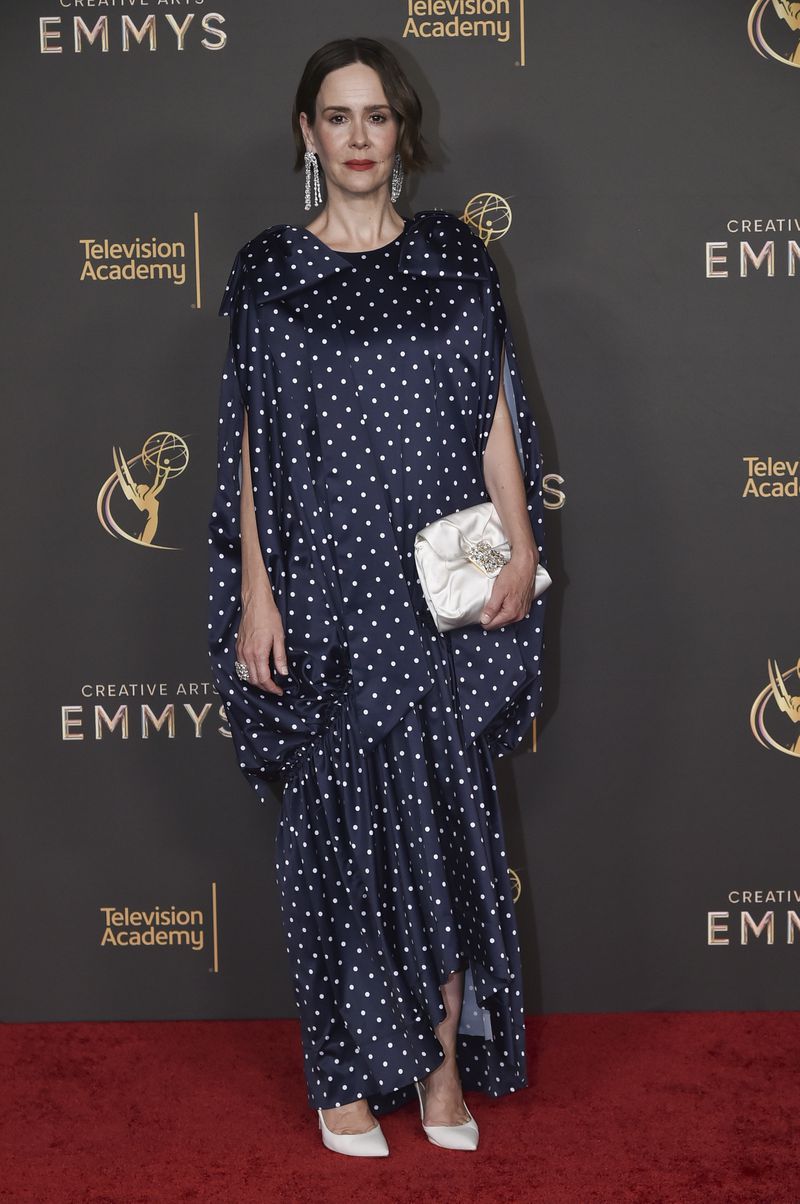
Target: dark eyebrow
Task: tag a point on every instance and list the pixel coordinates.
(345, 109)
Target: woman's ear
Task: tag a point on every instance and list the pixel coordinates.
(306, 129)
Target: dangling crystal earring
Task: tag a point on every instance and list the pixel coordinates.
(312, 171)
(397, 176)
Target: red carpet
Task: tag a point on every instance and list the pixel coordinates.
(645, 1108)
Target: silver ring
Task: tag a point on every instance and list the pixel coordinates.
(242, 671)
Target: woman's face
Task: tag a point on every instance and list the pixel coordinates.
(354, 122)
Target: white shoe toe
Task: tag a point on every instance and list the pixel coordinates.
(371, 1144)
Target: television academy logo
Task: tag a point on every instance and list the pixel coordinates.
(140, 259)
(771, 477)
(137, 260)
(773, 28)
(461, 19)
(164, 457)
(125, 927)
(775, 713)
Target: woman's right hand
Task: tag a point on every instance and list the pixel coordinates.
(261, 635)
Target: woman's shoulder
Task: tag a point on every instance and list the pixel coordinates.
(259, 246)
(269, 246)
(449, 223)
(451, 243)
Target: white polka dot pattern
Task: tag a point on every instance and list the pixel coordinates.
(368, 381)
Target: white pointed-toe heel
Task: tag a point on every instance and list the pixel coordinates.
(371, 1144)
(451, 1137)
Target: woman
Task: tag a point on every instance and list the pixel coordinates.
(370, 387)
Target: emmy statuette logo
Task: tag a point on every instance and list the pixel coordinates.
(164, 457)
(489, 215)
(774, 701)
(773, 28)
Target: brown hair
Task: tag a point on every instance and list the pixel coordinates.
(399, 93)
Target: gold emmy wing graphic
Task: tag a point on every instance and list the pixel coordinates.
(763, 28)
(164, 456)
(489, 215)
(773, 699)
(516, 884)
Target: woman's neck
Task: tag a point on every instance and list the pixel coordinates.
(344, 226)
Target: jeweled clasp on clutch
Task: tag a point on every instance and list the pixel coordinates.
(484, 556)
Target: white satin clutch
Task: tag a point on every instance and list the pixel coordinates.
(458, 558)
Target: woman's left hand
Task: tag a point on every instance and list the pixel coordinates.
(512, 592)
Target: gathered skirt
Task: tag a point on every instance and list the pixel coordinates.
(392, 871)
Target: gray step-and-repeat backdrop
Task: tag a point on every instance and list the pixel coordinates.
(633, 166)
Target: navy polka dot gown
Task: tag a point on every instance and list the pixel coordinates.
(368, 381)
